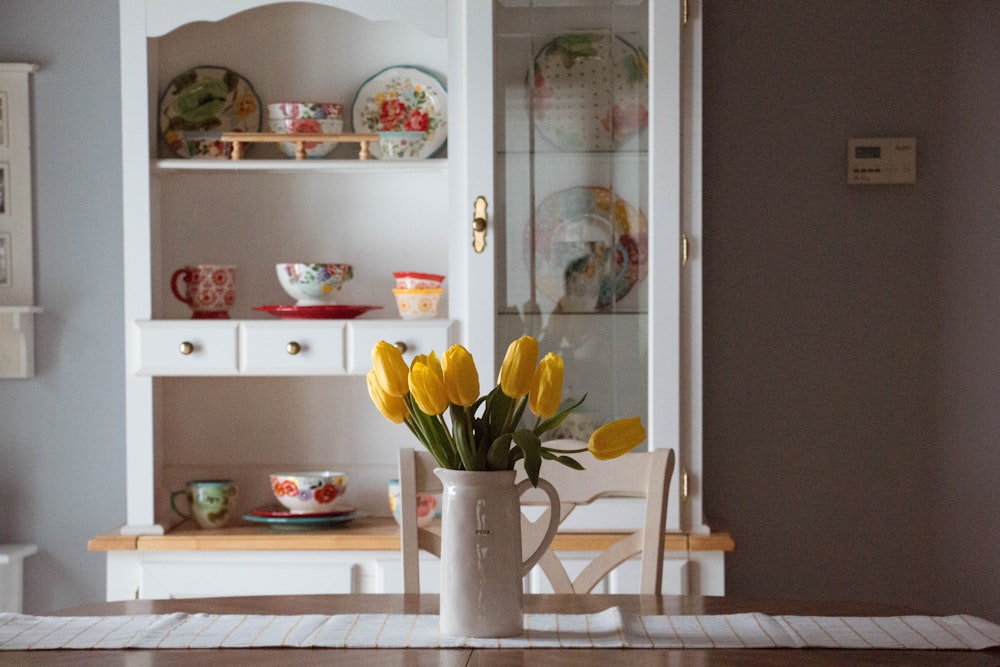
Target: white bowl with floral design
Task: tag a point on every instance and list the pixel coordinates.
(309, 492)
(313, 284)
(313, 149)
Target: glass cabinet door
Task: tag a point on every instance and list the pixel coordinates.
(585, 208)
(571, 174)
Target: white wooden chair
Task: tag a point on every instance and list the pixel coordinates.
(641, 475)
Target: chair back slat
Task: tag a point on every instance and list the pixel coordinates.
(640, 475)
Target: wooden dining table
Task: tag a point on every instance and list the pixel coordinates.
(467, 657)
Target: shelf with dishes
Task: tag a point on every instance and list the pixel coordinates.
(167, 166)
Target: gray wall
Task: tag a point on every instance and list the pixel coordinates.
(851, 333)
(850, 338)
(62, 441)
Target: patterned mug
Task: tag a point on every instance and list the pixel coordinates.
(211, 502)
(209, 289)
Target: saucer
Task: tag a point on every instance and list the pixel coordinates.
(330, 312)
(300, 522)
(280, 512)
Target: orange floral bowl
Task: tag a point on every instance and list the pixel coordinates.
(309, 492)
(417, 304)
(314, 149)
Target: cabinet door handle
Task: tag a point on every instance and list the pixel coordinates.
(186, 348)
(479, 224)
(293, 348)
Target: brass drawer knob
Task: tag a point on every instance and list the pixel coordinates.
(293, 348)
(186, 348)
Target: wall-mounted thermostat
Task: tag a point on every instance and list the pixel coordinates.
(878, 161)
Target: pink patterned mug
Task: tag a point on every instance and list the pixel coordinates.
(209, 289)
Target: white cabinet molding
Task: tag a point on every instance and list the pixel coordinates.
(17, 288)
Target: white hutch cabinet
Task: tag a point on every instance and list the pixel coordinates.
(238, 406)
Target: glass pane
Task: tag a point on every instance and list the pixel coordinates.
(572, 98)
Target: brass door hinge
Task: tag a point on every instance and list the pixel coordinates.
(685, 249)
(684, 13)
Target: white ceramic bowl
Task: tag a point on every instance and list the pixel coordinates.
(313, 284)
(314, 149)
(309, 492)
(417, 304)
(400, 145)
(428, 505)
(416, 280)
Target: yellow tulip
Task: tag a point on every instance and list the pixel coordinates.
(392, 408)
(461, 379)
(390, 369)
(427, 389)
(617, 438)
(546, 388)
(434, 363)
(518, 368)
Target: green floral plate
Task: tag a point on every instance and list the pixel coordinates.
(202, 103)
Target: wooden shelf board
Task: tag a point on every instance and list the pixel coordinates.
(369, 534)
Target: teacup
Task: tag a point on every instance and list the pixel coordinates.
(209, 289)
(428, 505)
(211, 502)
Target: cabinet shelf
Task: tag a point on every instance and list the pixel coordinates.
(325, 166)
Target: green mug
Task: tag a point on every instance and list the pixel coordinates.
(211, 502)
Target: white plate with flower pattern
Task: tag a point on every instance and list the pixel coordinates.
(403, 99)
(589, 91)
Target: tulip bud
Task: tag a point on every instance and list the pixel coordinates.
(616, 438)
(461, 379)
(427, 389)
(518, 368)
(546, 388)
(390, 369)
(392, 408)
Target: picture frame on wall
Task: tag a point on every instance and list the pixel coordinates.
(4, 189)
(5, 252)
(3, 120)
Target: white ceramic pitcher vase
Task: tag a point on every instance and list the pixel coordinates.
(481, 560)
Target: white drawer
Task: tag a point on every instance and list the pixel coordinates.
(419, 337)
(298, 347)
(185, 347)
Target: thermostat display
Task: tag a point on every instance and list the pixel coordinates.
(878, 161)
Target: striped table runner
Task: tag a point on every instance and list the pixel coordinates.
(607, 628)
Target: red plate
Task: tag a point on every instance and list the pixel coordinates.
(331, 312)
(279, 512)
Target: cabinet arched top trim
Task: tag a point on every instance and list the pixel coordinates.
(427, 15)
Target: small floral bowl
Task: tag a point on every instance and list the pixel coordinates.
(415, 280)
(308, 492)
(428, 505)
(313, 284)
(400, 145)
(305, 110)
(417, 304)
(314, 149)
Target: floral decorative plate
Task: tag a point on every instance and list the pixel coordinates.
(591, 248)
(574, 70)
(200, 104)
(403, 99)
(329, 312)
